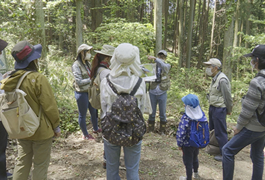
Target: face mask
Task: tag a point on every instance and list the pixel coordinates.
(209, 71)
(88, 56)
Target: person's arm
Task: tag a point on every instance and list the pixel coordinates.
(224, 86)
(249, 104)
(78, 76)
(164, 66)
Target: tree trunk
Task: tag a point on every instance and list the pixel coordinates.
(180, 37)
(236, 26)
(166, 25)
(176, 32)
(212, 33)
(158, 26)
(247, 22)
(189, 47)
(79, 24)
(198, 21)
(96, 14)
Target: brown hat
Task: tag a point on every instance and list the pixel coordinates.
(3, 44)
(24, 53)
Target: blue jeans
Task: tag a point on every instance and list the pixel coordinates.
(217, 121)
(131, 156)
(161, 100)
(190, 160)
(3, 144)
(83, 104)
(238, 142)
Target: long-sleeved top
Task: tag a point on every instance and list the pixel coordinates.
(254, 99)
(81, 74)
(165, 68)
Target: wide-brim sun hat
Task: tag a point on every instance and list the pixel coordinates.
(107, 50)
(3, 44)
(213, 61)
(83, 47)
(125, 59)
(23, 52)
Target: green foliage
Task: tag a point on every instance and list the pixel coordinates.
(114, 33)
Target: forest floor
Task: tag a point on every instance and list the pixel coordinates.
(73, 158)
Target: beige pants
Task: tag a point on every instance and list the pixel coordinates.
(36, 152)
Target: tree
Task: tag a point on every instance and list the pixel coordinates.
(192, 4)
(180, 37)
(79, 24)
(158, 27)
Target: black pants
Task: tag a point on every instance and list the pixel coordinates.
(190, 160)
(3, 143)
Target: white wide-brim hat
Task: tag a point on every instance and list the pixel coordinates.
(125, 59)
(107, 50)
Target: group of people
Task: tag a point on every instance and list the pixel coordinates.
(122, 67)
(248, 130)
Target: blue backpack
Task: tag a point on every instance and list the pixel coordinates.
(194, 133)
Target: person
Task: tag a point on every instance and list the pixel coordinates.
(3, 134)
(193, 111)
(100, 65)
(158, 91)
(248, 130)
(124, 74)
(37, 148)
(82, 74)
(220, 102)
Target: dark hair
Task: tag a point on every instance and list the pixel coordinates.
(96, 62)
(81, 55)
(161, 56)
(261, 62)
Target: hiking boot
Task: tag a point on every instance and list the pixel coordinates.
(97, 131)
(88, 137)
(163, 127)
(196, 175)
(218, 158)
(182, 178)
(9, 175)
(151, 126)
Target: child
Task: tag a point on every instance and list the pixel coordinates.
(190, 154)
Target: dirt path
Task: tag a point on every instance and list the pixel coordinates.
(76, 159)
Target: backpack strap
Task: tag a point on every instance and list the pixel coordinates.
(136, 86)
(132, 92)
(22, 78)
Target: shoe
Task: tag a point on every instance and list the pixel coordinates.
(218, 158)
(182, 178)
(196, 175)
(98, 131)
(88, 137)
(9, 175)
(104, 165)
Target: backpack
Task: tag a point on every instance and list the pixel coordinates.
(194, 133)
(94, 91)
(199, 133)
(19, 120)
(124, 125)
(261, 117)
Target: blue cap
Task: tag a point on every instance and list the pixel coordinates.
(191, 100)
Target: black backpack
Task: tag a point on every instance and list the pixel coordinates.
(261, 117)
(124, 125)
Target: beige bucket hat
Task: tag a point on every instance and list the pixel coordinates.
(83, 47)
(107, 50)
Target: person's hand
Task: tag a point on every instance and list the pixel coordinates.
(57, 132)
(236, 131)
(151, 57)
(228, 113)
(180, 148)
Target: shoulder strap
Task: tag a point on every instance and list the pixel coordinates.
(136, 86)
(260, 74)
(132, 92)
(22, 78)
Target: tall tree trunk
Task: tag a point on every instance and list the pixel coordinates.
(165, 25)
(158, 27)
(189, 47)
(228, 49)
(198, 23)
(236, 26)
(247, 23)
(40, 21)
(96, 14)
(79, 24)
(176, 32)
(212, 33)
(180, 37)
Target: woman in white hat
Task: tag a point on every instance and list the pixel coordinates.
(124, 74)
(82, 73)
